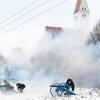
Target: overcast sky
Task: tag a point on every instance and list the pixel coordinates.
(28, 35)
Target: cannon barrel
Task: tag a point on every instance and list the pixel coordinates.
(59, 85)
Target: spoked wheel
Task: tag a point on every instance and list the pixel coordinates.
(53, 90)
(61, 90)
(59, 93)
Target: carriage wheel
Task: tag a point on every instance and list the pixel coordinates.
(59, 93)
(53, 90)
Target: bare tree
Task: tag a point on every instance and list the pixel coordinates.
(94, 36)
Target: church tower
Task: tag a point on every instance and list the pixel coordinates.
(81, 15)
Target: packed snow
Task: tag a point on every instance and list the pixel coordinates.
(43, 93)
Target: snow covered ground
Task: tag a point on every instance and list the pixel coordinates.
(32, 92)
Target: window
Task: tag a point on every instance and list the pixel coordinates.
(84, 8)
(83, 15)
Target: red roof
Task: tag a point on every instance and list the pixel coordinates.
(53, 29)
(77, 6)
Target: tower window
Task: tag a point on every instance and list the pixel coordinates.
(83, 15)
(84, 8)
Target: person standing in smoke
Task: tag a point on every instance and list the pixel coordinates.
(70, 84)
(20, 87)
(8, 86)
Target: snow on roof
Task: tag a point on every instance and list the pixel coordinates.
(77, 6)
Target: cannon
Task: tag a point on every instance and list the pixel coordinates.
(60, 89)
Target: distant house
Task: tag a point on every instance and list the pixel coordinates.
(53, 31)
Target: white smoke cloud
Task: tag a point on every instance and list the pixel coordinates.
(67, 56)
(57, 59)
